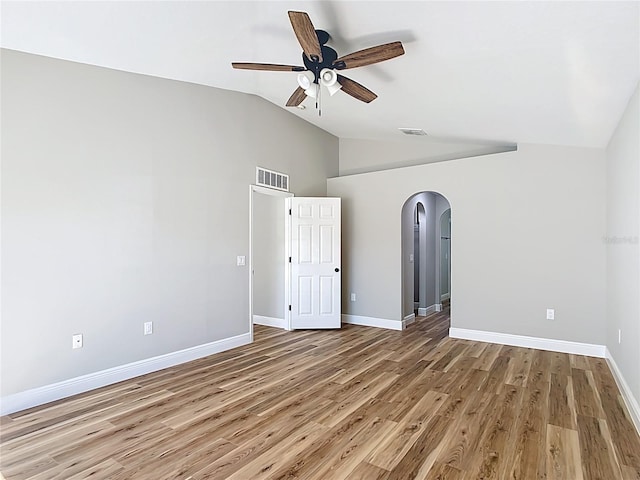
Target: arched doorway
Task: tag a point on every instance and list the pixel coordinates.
(426, 255)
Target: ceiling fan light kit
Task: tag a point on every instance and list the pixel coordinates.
(329, 79)
(304, 81)
(322, 63)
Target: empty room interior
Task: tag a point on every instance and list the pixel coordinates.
(320, 240)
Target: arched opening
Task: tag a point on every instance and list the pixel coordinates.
(426, 258)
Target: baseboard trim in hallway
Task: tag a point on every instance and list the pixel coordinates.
(408, 320)
(372, 322)
(423, 312)
(269, 321)
(364, 321)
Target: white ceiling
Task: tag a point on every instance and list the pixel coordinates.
(506, 72)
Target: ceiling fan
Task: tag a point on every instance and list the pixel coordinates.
(322, 62)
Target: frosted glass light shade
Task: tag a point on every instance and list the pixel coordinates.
(329, 78)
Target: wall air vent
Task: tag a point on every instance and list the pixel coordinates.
(412, 131)
(271, 179)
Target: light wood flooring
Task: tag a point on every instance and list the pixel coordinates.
(360, 403)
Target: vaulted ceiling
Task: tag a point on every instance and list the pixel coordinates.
(503, 72)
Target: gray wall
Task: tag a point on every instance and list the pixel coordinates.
(623, 260)
(268, 255)
(527, 231)
(445, 254)
(361, 156)
(125, 199)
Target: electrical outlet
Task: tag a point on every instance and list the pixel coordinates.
(148, 328)
(76, 341)
(240, 261)
(551, 314)
(353, 297)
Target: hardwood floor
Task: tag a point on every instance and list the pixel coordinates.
(360, 403)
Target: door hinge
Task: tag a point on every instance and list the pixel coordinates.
(289, 259)
(289, 211)
(289, 307)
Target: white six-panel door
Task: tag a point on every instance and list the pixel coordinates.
(315, 262)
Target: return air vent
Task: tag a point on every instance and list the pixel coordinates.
(271, 179)
(412, 131)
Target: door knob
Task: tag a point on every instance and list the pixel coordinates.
(337, 269)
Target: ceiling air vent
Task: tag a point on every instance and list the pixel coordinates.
(271, 179)
(412, 131)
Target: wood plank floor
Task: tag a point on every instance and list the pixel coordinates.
(360, 403)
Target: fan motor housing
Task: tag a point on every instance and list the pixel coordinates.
(329, 56)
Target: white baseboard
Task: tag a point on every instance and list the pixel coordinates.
(66, 388)
(627, 394)
(530, 342)
(426, 311)
(270, 321)
(408, 320)
(444, 296)
(372, 322)
(438, 307)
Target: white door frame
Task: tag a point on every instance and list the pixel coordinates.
(253, 190)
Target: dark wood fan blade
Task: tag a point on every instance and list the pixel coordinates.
(356, 90)
(369, 56)
(306, 34)
(297, 98)
(273, 67)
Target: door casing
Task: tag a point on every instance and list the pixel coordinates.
(253, 191)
